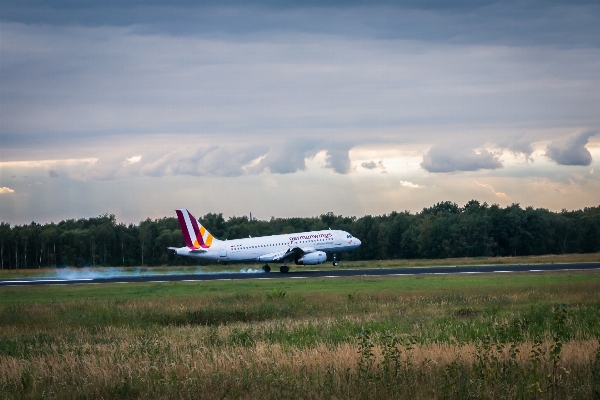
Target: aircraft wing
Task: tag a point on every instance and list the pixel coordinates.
(282, 255)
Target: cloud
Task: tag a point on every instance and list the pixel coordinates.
(5, 190)
(373, 165)
(132, 160)
(204, 161)
(571, 150)
(410, 185)
(369, 165)
(338, 160)
(215, 160)
(443, 158)
(287, 157)
(54, 173)
(485, 185)
(518, 145)
(254, 90)
(554, 22)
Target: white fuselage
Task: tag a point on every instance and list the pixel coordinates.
(271, 248)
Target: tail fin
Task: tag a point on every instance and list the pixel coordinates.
(195, 235)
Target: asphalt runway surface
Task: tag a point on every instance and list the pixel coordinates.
(299, 273)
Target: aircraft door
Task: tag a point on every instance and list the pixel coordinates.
(223, 250)
(337, 240)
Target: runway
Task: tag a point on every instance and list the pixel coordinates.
(300, 274)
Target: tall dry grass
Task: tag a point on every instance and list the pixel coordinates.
(176, 362)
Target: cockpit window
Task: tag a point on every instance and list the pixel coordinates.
(348, 236)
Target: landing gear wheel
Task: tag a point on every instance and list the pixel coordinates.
(284, 269)
(266, 268)
(335, 263)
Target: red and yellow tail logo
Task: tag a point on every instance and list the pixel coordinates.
(195, 235)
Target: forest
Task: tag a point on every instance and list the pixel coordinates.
(444, 230)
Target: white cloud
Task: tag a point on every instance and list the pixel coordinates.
(132, 160)
(5, 190)
(47, 163)
(485, 185)
(411, 185)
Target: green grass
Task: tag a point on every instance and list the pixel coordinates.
(338, 286)
(450, 308)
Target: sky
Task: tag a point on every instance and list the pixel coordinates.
(295, 108)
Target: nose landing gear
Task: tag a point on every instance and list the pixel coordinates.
(335, 263)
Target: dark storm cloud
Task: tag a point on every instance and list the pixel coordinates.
(571, 149)
(451, 158)
(508, 22)
(96, 69)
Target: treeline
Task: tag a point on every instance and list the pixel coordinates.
(441, 231)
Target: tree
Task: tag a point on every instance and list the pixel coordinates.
(4, 238)
(591, 236)
(105, 234)
(49, 236)
(145, 236)
(442, 230)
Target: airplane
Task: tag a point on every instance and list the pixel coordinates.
(305, 248)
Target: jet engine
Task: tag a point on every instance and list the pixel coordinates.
(318, 257)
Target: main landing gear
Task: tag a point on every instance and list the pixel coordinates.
(283, 269)
(335, 263)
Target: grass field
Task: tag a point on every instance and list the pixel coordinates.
(530, 335)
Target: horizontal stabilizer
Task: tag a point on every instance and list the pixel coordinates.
(184, 250)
